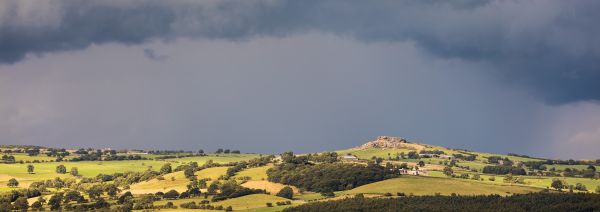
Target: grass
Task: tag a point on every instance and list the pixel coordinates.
(258, 173)
(433, 185)
(253, 202)
(271, 187)
(175, 180)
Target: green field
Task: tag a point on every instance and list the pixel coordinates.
(253, 202)
(176, 181)
(434, 185)
(258, 173)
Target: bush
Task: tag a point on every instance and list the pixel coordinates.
(286, 192)
(172, 194)
(269, 204)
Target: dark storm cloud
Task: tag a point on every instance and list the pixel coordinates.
(549, 46)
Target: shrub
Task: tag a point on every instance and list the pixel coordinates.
(286, 192)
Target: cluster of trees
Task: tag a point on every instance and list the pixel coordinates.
(8, 159)
(325, 157)
(504, 170)
(467, 157)
(231, 189)
(227, 151)
(589, 172)
(518, 202)
(325, 178)
(497, 160)
(204, 205)
(58, 153)
(106, 156)
(434, 152)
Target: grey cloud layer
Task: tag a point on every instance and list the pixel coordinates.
(550, 46)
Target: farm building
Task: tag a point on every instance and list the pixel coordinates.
(349, 157)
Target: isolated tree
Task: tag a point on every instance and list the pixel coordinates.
(219, 151)
(13, 182)
(61, 169)
(21, 204)
(74, 171)
(201, 151)
(580, 187)
(166, 168)
(30, 169)
(286, 192)
(421, 163)
(557, 184)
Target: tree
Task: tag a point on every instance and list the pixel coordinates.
(201, 151)
(557, 184)
(74, 171)
(13, 182)
(421, 163)
(286, 192)
(21, 204)
(212, 189)
(95, 192)
(101, 203)
(36, 206)
(55, 201)
(172, 194)
(189, 172)
(413, 155)
(30, 169)
(72, 196)
(193, 189)
(112, 190)
(226, 151)
(219, 151)
(448, 171)
(61, 169)
(580, 187)
(166, 168)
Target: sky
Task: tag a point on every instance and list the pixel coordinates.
(271, 76)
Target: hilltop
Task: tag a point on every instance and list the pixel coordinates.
(386, 166)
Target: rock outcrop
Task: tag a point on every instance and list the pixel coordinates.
(389, 142)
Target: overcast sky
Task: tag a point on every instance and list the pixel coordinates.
(270, 76)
